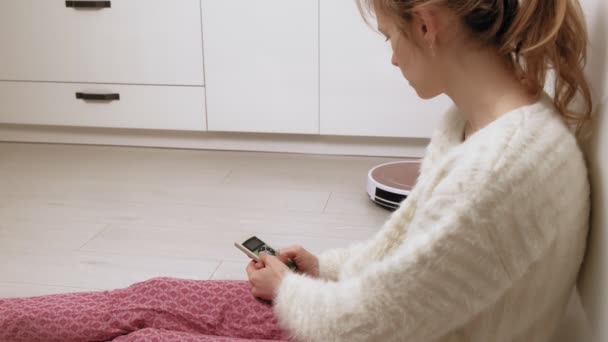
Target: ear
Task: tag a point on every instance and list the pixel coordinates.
(427, 24)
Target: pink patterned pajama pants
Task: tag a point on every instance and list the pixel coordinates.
(157, 310)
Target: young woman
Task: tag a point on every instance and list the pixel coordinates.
(486, 248)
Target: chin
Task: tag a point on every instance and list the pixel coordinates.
(426, 95)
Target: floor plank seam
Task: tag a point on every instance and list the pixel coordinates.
(227, 176)
(326, 203)
(106, 227)
(217, 268)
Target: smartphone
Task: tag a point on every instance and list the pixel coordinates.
(253, 246)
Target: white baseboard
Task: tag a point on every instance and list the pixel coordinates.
(285, 143)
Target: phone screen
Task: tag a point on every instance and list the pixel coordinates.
(253, 244)
(257, 246)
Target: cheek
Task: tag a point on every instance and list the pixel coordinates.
(420, 73)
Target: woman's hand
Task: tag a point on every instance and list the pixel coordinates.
(266, 276)
(305, 261)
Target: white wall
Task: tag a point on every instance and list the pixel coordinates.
(594, 274)
(585, 323)
(593, 280)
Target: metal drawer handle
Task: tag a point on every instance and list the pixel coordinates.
(98, 97)
(88, 4)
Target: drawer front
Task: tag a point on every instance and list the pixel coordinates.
(132, 41)
(126, 106)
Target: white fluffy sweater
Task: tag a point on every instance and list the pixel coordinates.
(485, 249)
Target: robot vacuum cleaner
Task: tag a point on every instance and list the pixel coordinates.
(389, 184)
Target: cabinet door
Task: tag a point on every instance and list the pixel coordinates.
(262, 65)
(362, 93)
(124, 41)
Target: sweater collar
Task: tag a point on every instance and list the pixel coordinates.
(455, 121)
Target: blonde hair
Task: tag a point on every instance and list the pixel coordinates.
(539, 36)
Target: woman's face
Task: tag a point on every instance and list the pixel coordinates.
(414, 57)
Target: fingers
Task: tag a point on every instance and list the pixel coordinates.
(263, 257)
(255, 266)
(251, 267)
(290, 252)
(266, 259)
(284, 257)
(271, 260)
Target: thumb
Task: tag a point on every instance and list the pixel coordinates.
(287, 253)
(268, 259)
(263, 257)
(284, 256)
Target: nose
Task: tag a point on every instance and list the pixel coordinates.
(394, 60)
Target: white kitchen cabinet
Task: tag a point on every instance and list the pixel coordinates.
(130, 42)
(262, 65)
(362, 93)
(126, 106)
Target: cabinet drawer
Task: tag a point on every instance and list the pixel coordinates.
(148, 107)
(133, 42)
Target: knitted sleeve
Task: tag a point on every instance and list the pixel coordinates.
(330, 262)
(432, 284)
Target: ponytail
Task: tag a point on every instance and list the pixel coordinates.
(550, 36)
(541, 37)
